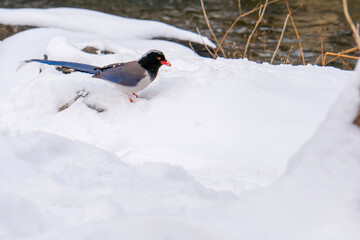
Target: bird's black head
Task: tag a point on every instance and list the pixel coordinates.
(152, 61)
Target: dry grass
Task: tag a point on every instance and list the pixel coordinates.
(239, 6)
(341, 56)
(210, 29)
(280, 39)
(257, 37)
(351, 23)
(236, 20)
(261, 15)
(297, 34)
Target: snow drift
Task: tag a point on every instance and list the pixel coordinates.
(213, 149)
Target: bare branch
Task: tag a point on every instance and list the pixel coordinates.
(281, 36)
(297, 34)
(256, 25)
(210, 29)
(351, 23)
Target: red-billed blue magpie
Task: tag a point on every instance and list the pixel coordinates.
(129, 77)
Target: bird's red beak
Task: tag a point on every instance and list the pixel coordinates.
(166, 62)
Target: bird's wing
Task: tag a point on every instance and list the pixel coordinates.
(127, 74)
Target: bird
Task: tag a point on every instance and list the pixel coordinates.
(128, 77)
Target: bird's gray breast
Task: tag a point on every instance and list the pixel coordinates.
(127, 74)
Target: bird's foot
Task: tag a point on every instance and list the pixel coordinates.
(130, 97)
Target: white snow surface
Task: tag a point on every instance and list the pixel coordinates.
(213, 149)
(98, 23)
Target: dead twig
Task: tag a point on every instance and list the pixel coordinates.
(207, 49)
(191, 46)
(288, 56)
(264, 42)
(351, 49)
(252, 45)
(322, 46)
(341, 54)
(345, 64)
(261, 12)
(297, 34)
(317, 59)
(337, 56)
(210, 29)
(280, 39)
(351, 23)
(232, 25)
(236, 20)
(239, 6)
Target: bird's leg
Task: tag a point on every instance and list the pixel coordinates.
(131, 96)
(135, 95)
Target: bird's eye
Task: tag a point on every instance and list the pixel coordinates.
(159, 58)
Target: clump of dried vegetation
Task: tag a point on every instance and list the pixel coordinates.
(325, 57)
(245, 51)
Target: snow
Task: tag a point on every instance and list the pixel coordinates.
(213, 149)
(98, 23)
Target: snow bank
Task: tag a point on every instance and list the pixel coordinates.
(201, 114)
(98, 23)
(52, 183)
(179, 162)
(318, 197)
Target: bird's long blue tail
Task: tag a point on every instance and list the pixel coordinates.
(76, 66)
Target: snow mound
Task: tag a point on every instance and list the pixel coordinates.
(98, 23)
(54, 183)
(318, 197)
(79, 161)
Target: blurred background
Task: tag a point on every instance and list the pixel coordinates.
(320, 23)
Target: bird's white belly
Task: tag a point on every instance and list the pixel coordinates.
(133, 89)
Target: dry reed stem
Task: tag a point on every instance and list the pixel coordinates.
(236, 20)
(239, 6)
(351, 49)
(297, 34)
(232, 25)
(280, 39)
(337, 55)
(287, 58)
(351, 23)
(261, 12)
(191, 46)
(210, 29)
(345, 64)
(265, 50)
(207, 49)
(322, 47)
(317, 60)
(252, 45)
